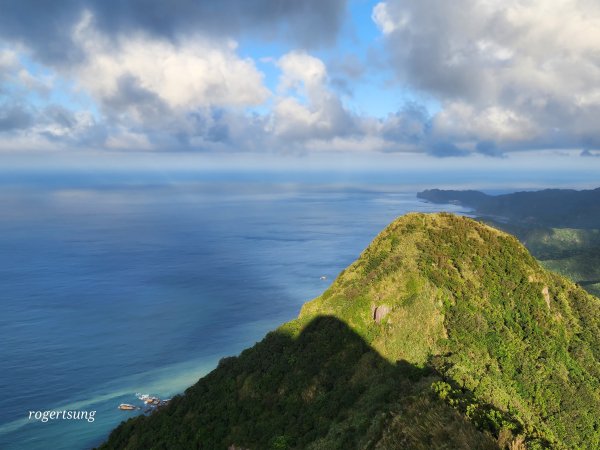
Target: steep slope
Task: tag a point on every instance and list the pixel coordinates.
(324, 388)
(560, 227)
(441, 327)
(574, 253)
(486, 314)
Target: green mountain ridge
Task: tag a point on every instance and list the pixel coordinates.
(445, 333)
(574, 253)
(560, 227)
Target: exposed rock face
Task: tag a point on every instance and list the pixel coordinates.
(546, 295)
(379, 312)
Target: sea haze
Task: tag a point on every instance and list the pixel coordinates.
(112, 288)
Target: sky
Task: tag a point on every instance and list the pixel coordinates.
(358, 80)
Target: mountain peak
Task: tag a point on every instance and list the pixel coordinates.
(438, 308)
(448, 291)
(397, 292)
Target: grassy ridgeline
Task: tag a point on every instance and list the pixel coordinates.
(445, 333)
(560, 227)
(574, 253)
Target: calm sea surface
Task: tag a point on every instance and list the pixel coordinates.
(107, 290)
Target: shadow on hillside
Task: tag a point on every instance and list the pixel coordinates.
(325, 389)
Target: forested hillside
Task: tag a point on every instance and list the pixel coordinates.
(445, 333)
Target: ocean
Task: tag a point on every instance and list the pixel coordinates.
(110, 288)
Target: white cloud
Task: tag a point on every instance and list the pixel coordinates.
(299, 68)
(190, 74)
(460, 120)
(306, 108)
(8, 60)
(385, 21)
(149, 93)
(12, 70)
(515, 70)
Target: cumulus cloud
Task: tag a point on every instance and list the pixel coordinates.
(148, 92)
(24, 113)
(414, 129)
(410, 125)
(306, 108)
(61, 124)
(520, 72)
(163, 76)
(301, 70)
(151, 74)
(496, 76)
(462, 120)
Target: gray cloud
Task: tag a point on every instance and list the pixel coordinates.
(445, 149)
(413, 128)
(211, 125)
(14, 117)
(496, 86)
(412, 124)
(61, 125)
(131, 96)
(345, 71)
(589, 154)
(47, 27)
(489, 148)
(457, 50)
(50, 124)
(310, 22)
(348, 66)
(59, 116)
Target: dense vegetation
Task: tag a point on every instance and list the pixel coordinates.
(324, 388)
(561, 228)
(445, 333)
(572, 252)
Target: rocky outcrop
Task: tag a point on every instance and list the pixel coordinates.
(379, 312)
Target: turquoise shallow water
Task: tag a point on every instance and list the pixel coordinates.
(112, 289)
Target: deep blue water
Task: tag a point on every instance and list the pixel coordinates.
(111, 289)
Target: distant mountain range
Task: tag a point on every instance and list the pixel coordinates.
(557, 208)
(445, 334)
